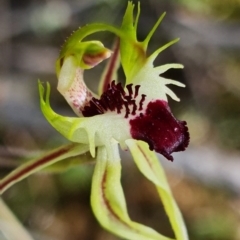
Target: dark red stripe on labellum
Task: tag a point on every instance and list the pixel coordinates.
(115, 99)
(160, 129)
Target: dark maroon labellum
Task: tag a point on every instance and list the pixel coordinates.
(156, 125)
(160, 129)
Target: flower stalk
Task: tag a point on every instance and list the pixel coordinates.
(10, 227)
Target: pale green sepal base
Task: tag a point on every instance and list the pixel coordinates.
(150, 167)
(157, 87)
(38, 164)
(108, 201)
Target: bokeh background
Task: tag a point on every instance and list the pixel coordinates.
(205, 179)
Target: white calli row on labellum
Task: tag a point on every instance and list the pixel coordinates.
(135, 116)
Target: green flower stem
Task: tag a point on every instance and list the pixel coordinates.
(10, 226)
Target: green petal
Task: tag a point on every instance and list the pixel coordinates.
(149, 36)
(150, 167)
(73, 42)
(138, 68)
(35, 165)
(108, 201)
(74, 129)
(133, 54)
(65, 125)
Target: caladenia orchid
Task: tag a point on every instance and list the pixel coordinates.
(135, 116)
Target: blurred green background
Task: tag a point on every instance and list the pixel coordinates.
(205, 179)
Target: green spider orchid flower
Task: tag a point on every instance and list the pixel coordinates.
(135, 116)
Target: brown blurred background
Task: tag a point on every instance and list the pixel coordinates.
(205, 179)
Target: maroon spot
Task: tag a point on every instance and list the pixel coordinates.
(160, 129)
(94, 59)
